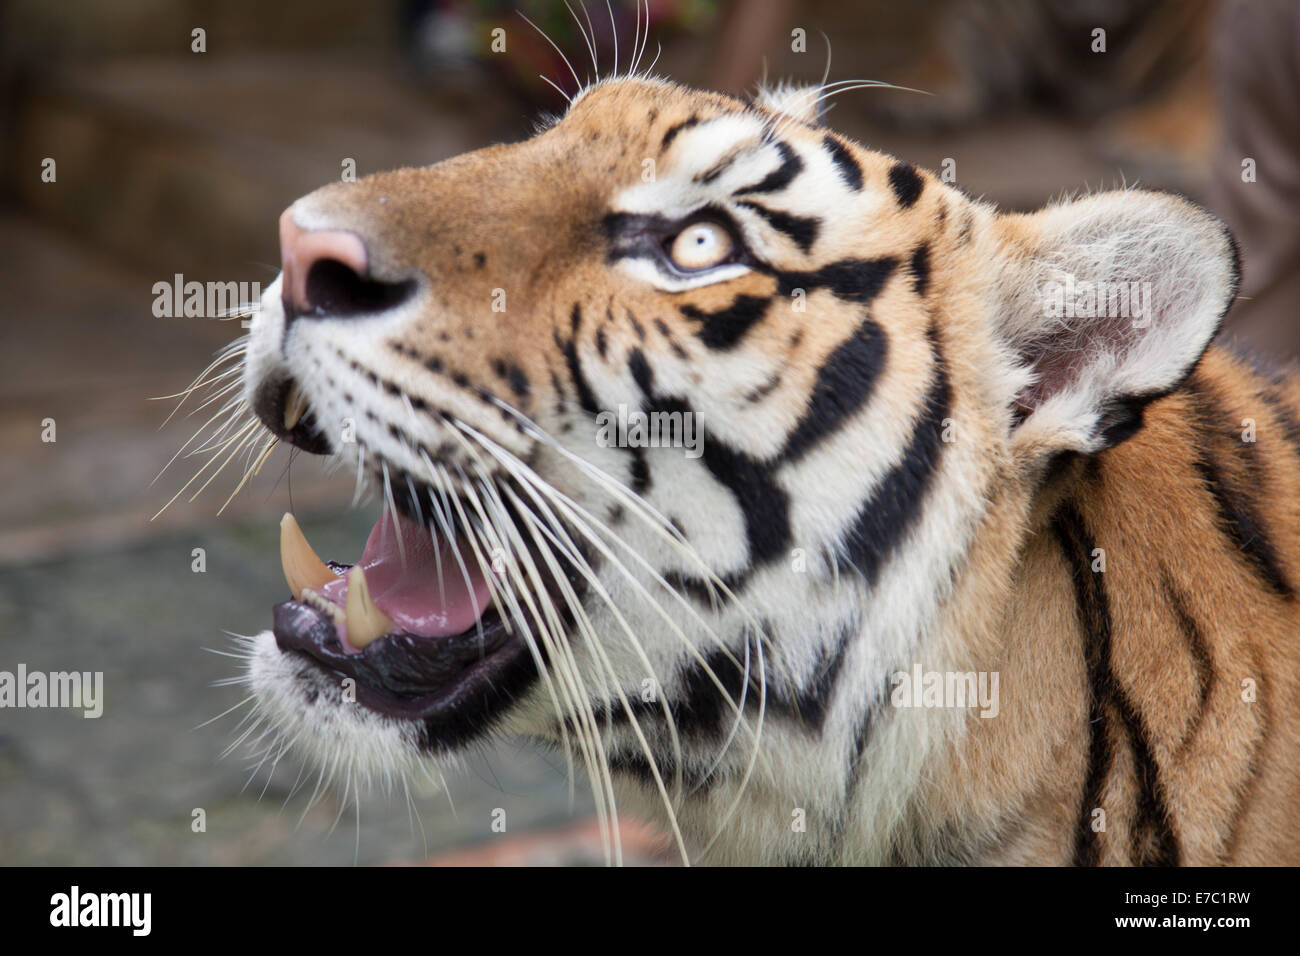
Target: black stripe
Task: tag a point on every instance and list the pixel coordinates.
(1197, 646)
(857, 280)
(1235, 505)
(637, 327)
(845, 161)
(905, 182)
(1153, 840)
(1239, 522)
(586, 397)
(757, 394)
(513, 375)
(725, 327)
(1121, 418)
(778, 179)
(921, 269)
(672, 132)
(640, 466)
(895, 504)
(640, 470)
(1094, 615)
(641, 373)
(718, 168)
(813, 702)
(699, 710)
(866, 725)
(1248, 783)
(1285, 414)
(844, 383)
(803, 230)
(763, 504)
(636, 765)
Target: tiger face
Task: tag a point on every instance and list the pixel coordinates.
(691, 421)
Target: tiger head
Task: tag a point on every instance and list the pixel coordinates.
(691, 422)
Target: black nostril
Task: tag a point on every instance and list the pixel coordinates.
(335, 290)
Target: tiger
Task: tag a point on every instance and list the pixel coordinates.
(985, 550)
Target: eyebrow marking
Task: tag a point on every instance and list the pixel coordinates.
(672, 132)
(724, 163)
(803, 230)
(791, 166)
(844, 161)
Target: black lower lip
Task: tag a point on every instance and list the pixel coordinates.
(452, 683)
(269, 403)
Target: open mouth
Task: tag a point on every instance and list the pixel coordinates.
(412, 622)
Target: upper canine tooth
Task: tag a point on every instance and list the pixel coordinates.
(302, 568)
(366, 623)
(295, 404)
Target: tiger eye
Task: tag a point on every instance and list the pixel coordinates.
(701, 245)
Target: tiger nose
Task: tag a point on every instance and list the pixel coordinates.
(326, 275)
(310, 259)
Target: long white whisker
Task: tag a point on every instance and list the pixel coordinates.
(561, 655)
(547, 38)
(568, 674)
(546, 79)
(591, 47)
(593, 641)
(613, 29)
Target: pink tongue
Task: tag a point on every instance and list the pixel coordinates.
(404, 582)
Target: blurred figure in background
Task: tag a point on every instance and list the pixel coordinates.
(987, 57)
(449, 34)
(1257, 166)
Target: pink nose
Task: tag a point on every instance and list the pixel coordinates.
(302, 249)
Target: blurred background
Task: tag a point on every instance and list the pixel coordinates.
(148, 141)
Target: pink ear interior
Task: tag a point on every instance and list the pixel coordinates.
(1060, 358)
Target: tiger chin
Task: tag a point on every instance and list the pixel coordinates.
(941, 448)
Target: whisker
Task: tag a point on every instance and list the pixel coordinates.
(591, 46)
(613, 29)
(556, 48)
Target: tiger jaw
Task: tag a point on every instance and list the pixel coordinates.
(425, 628)
(416, 624)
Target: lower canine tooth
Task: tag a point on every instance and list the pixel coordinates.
(294, 405)
(302, 568)
(366, 623)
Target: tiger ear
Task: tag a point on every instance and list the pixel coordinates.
(803, 104)
(1111, 300)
